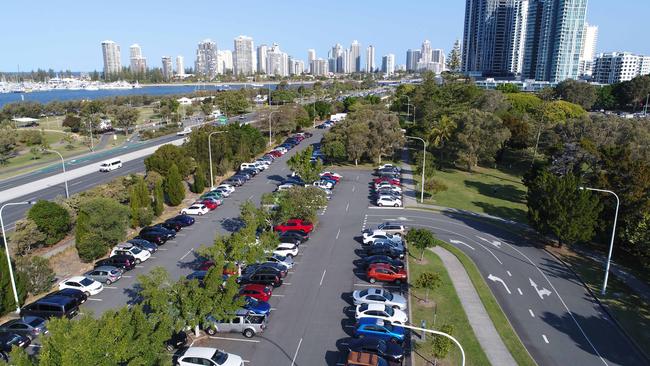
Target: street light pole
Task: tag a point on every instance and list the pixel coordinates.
(270, 114)
(611, 243)
(462, 352)
(424, 163)
(4, 238)
(210, 155)
(90, 128)
(65, 179)
(408, 104)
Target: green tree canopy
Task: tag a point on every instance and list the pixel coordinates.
(51, 219)
(101, 224)
(174, 188)
(576, 92)
(302, 165)
(166, 156)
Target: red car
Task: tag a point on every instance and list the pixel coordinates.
(275, 153)
(295, 224)
(210, 204)
(330, 176)
(386, 179)
(385, 273)
(227, 270)
(257, 291)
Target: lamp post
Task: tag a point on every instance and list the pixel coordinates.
(210, 155)
(408, 104)
(611, 243)
(65, 179)
(90, 128)
(4, 238)
(270, 114)
(462, 352)
(424, 161)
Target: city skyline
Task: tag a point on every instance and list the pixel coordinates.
(68, 48)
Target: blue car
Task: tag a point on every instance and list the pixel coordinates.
(380, 329)
(184, 220)
(324, 179)
(256, 306)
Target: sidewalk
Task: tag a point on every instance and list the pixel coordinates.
(478, 317)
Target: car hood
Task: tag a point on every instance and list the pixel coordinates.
(262, 307)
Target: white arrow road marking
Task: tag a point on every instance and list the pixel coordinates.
(491, 277)
(543, 292)
(454, 241)
(493, 242)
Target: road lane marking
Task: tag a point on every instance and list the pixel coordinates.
(323, 276)
(357, 177)
(509, 274)
(127, 276)
(250, 197)
(494, 278)
(235, 339)
(347, 207)
(519, 290)
(163, 249)
(454, 241)
(531, 313)
(139, 266)
(287, 283)
(545, 339)
(293, 362)
(338, 233)
(541, 293)
(186, 254)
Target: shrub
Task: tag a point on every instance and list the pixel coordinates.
(101, 224)
(37, 272)
(51, 219)
(26, 237)
(199, 180)
(441, 344)
(158, 198)
(174, 187)
(434, 186)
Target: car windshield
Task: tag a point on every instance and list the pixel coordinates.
(219, 357)
(86, 282)
(136, 250)
(363, 293)
(363, 307)
(251, 301)
(389, 311)
(388, 295)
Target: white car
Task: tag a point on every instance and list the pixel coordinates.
(285, 186)
(380, 296)
(369, 238)
(81, 283)
(286, 250)
(285, 261)
(380, 311)
(195, 209)
(130, 249)
(332, 174)
(323, 184)
(390, 228)
(386, 185)
(208, 356)
(389, 166)
(389, 201)
(226, 187)
(186, 131)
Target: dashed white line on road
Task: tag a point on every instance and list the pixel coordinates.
(235, 339)
(519, 290)
(92, 299)
(186, 254)
(322, 277)
(293, 362)
(357, 177)
(509, 274)
(338, 233)
(347, 207)
(531, 313)
(545, 339)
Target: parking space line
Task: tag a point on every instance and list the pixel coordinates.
(519, 290)
(277, 295)
(152, 257)
(338, 233)
(163, 249)
(323, 276)
(545, 339)
(293, 362)
(287, 283)
(347, 207)
(139, 266)
(353, 188)
(111, 287)
(186, 254)
(127, 276)
(531, 313)
(235, 339)
(92, 299)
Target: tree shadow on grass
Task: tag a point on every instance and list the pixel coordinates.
(508, 213)
(506, 192)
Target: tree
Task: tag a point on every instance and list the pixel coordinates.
(478, 138)
(101, 224)
(7, 301)
(37, 272)
(428, 281)
(302, 165)
(581, 93)
(72, 122)
(125, 117)
(166, 155)
(140, 204)
(174, 188)
(508, 88)
(199, 180)
(158, 198)
(605, 98)
(51, 219)
(421, 239)
(441, 133)
(441, 344)
(454, 59)
(334, 151)
(356, 135)
(7, 144)
(556, 206)
(560, 111)
(26, 237)
(300, 203)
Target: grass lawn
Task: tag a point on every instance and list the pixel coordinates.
(146, 113)
(448, 310)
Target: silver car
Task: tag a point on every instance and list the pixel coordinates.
(244, 322)
(375, 295)
(104, 274)
(29, 326)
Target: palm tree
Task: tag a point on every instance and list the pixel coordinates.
(441, 133)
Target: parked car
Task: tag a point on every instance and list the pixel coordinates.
(385, 273)
(196, 209)
(380, 296)
(390, 228)
(207, 202)
(144, 244)
(371, 237)
(290, 235)
(223, 192)
(367, 261)
(324, 184)
(122, 261)
(208, 356)
(389, 201)
(174, 226)
(260, 278)
(335, 176)
(29, 326)
(389, 243)
(243, 321)
(286, 249)
(169, 234)
(385, 250)
(52, 306)
(386, 350)
(364, 359)
(381, 311)
(256, 306)
(9, 340)
(295, 224)
(184, 220)
(389, 166)
(281, 259)
(256, 291)
(82, 283)
(284, 187)
(78, 296)
(267, 267)
(104, 274)
(132, 250)
(178, 340)
(234, 181)
(379, 329)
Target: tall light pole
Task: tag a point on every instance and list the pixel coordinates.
(408, 104)
(90, 128)
(65, 179)
(270, 114)
(210, 155)
(4, 238)
(424, 163)
(462, 352)
(645, 107)
(611, 243)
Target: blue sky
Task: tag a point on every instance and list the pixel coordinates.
(67, 34)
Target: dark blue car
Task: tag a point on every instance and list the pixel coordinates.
(144, 244)
(256, 306)
(184, 220)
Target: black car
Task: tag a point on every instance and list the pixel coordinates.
(387, 350)
(385, 250)
(177, 341)
(176, 226)
(373, 259)
(52, 306)
(260, 278)
(234, 181)
(294, 234)
(144, 245)
(155, 237)
(8, 340)
(184, 220)
(269, 268)
(169, 233)
(243, 176)
(250, 172)
(123, 261)
(79, 296)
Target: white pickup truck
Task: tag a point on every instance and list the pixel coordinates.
(186, 131)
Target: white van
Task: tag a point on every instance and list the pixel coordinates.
(110, 165)
(248, 166)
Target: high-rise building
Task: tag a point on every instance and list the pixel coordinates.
(296, 67)
(311, 56)
(412, 58)
(370, 59)
(336, 59)
(277, 61)
(205, 65)
(244, 56)
(319, 67)
(111, 55)
(167, 70)
(493, 36)
(438, 56)
(355, 57)
(589, 40)
(426, 52)
(180, 66)
(616, 67)
(554, 37)
(345, 62)
(137, 62)
(224, 62)
(262, 51)
(388, 64)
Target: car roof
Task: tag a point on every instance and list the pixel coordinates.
(368, 320)
(203, 352)
(376, 306)
(380, 265)
(103, 268)
(55, 299)
(74, 278)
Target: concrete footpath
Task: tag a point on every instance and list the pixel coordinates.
(478, 317)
